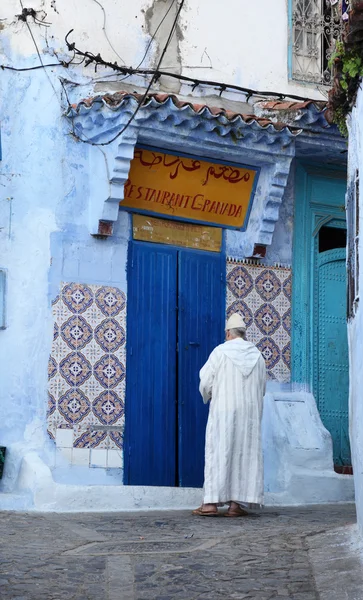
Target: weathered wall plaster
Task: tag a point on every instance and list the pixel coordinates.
(45, 239)
(204, 46)
(159, 18)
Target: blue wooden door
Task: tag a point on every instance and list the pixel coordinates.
(150, 410)
(332, 351)
(200, 330)
(175, 319)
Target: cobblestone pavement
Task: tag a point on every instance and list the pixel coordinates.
(300, 553)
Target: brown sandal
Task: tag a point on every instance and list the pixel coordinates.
(236, 512)
(199, 512)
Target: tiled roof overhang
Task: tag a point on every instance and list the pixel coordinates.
(119, 99)
(166, 122)
(310, 115)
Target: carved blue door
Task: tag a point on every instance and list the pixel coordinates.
(150, 410)
(332, 374)
(200, 330)
(175, 319)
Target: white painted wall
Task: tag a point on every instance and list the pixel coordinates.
(236, 42)
(355, 327)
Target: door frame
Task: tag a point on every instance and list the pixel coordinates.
(310, 215)
(223, 260)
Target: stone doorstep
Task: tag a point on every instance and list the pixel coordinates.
(35, 479)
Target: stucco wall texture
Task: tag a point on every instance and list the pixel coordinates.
(355, 326)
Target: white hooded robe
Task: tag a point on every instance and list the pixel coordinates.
(234, 381)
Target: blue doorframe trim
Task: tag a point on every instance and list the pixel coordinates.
(306, 218)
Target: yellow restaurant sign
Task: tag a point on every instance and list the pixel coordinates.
(162, 231)
(189, 189)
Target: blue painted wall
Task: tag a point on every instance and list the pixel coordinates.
(45, 239)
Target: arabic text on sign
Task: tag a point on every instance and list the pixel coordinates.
(187, 188)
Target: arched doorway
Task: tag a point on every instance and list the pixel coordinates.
(319, 332)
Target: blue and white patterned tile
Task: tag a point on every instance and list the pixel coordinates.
(60, 312)
(270, 352)
(75, 368)
(87, 365)
(74, 406)
(86, 438)
(92, 388)
(56, 421)
(286, 321)
(268, 285)
(281, 338)
(287, 287)
(121, 357)
(57, 386)
(110, 300)
(108, 407)
(110, 335)
(52, 405)
(76, 332)
(109, 371)
(267, 319)
(78, 297)
(286, 354)
(117, 438)
(58, 349)
(239, 281)
(52, 367)
(262, 294)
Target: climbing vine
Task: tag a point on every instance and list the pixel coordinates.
(348, 67)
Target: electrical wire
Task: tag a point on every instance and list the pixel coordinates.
(188, 80)
(152, 80)
(37, 50)
(105, 31)
(88, 58)
(35, 68)
(157, 73)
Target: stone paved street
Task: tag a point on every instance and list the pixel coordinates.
(300, 553)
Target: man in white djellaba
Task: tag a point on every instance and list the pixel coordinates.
(233, 380)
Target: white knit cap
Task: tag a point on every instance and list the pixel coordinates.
(235, 321)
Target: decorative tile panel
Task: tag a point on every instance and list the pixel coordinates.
(262, 295)
(87, 369)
